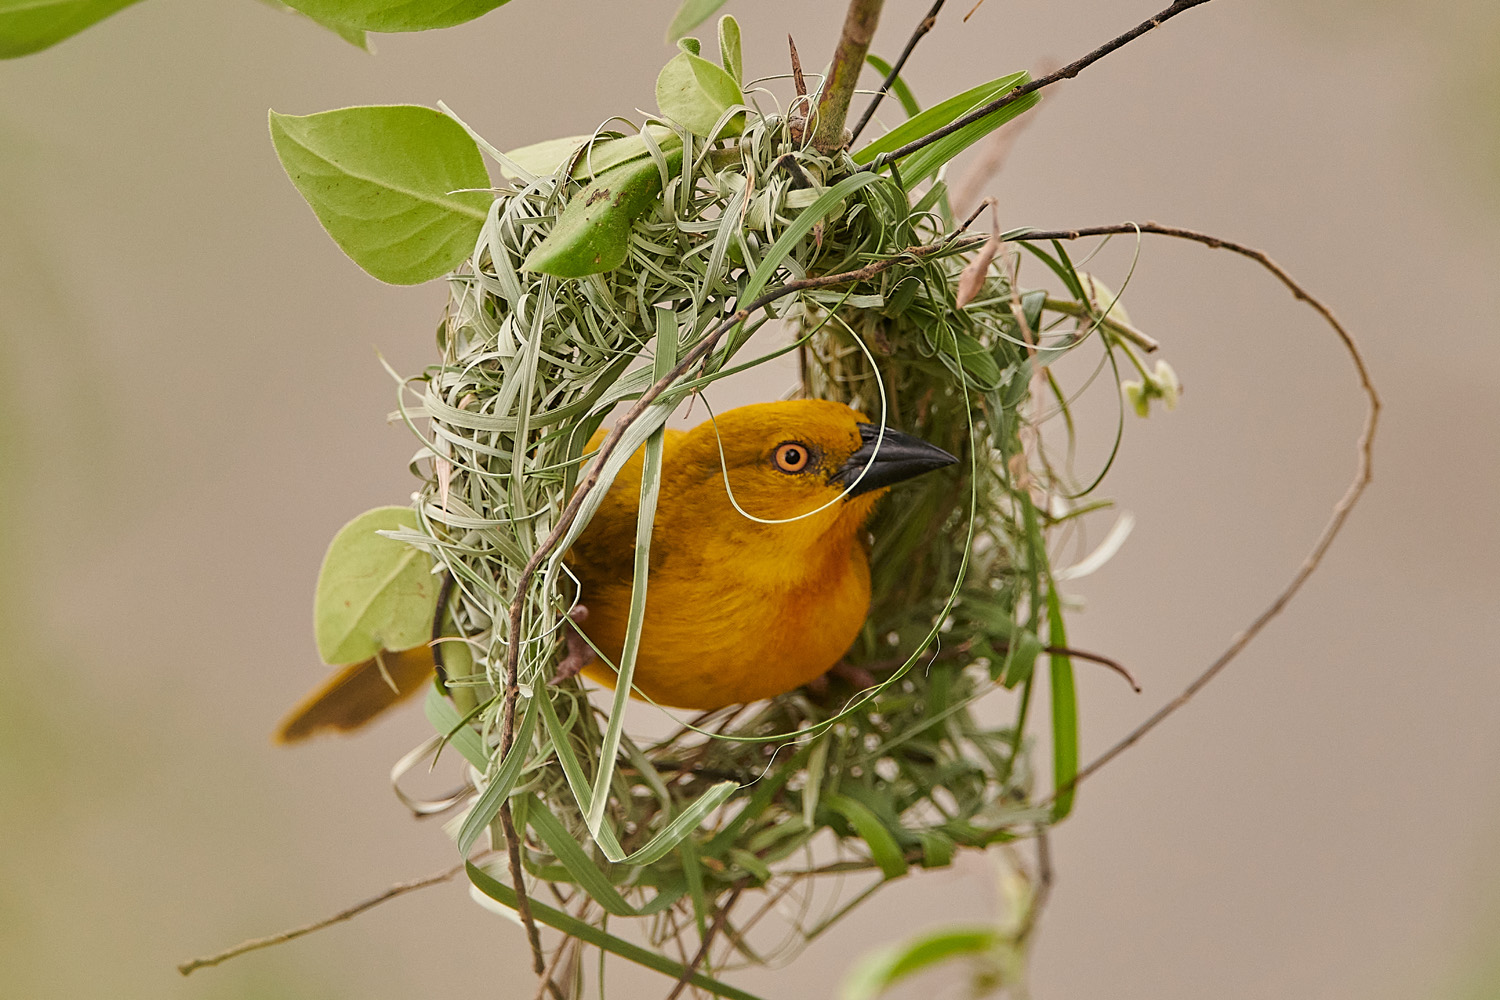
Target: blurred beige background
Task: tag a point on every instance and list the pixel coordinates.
(193, 406)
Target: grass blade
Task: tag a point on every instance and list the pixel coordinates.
(1064, 713)
(589, 934)
(884, 850)
(501, 782)
(666, 360)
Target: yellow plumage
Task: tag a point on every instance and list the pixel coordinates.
(738, 608)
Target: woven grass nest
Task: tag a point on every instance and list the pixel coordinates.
(765, 798)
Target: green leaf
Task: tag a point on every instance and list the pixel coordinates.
(691, 14)
(586, 874)
(28, 26)
(937, 848)
(592, 235)
(545, 158)
(924, 163)
(695, 93)
(875, 973)
(449, 723)
(729, 50)
(884, 850)
(682, 824)
(977, 362)
(354, 36)
(1020, 657)
(396, 15)
(601, 939)
(898, 87)
(1064, 713)
(499, 784)
(373, 593)
(390, 185)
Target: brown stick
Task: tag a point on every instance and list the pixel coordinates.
(523, 901)
(848, 60)
(798, 80)
(1363, 470)
(1069, 71)
(399, 889)
(708, 940)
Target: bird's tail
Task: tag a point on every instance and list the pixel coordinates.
(358, 693)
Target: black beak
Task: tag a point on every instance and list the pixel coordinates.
(899, 457)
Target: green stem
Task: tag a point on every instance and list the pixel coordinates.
(848, 60)
(1123, 330)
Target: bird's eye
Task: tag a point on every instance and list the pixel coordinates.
(792, 456)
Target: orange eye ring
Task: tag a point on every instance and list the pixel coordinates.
(792, 456)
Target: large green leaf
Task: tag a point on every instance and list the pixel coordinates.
(695, 93)
(396, 15)
(593, 233)
(374, 593)
(28, 26)
(392, 185)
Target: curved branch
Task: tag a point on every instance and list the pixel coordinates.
(1363, 469)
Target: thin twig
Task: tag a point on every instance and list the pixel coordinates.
(1341, 509)
(523, 901)
(848, 60)
(548, 983)
(254, 944)
(923, 27)
(736, 937)
(549, 977)
(962, 649)
(708, 940)
(1069, 71)
(1043, 890)
(1103, 661)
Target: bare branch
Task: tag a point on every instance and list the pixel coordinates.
(708, 940)
(254, 944)
(1069, 71)
(1363, 469)
(923, 27)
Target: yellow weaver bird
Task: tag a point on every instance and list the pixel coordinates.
(759, 581)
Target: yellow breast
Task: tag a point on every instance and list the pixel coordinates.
(736, 610)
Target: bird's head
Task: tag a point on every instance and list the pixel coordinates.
(787, 460)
